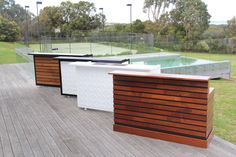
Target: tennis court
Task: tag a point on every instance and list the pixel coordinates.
(79, 48)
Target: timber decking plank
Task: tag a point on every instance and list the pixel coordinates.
(20, 133)
(5, 139)
(15, 143)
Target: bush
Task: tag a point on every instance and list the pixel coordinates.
(217, 45)
(9, 30)
(202, 46)
(231, 45)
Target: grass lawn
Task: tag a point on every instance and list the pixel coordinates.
(225, 98)
(8, 55)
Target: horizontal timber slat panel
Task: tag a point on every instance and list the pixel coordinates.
(53, 73)
(161, 91)
(48, 80)
(47, 71)
(161, 112)
(46, 60)
(179, 110)
(163, 81)
(162, 102)
(53, 65)
(161, 122)
(39, 82)
(158, 127)
(160, 86)
(161, 107)
(161, 117)
(162, 97)
(163, 136)
(48, 77)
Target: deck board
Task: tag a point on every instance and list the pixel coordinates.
(38, 121)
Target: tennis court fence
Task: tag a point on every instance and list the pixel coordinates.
(109, 42)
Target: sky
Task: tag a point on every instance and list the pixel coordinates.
(116, 11)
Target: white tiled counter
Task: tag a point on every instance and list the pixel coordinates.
(95, 86)
(67, 71)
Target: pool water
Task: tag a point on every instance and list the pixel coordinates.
(169, 62)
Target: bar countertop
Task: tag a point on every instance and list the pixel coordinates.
(92, 59)
(59, 54)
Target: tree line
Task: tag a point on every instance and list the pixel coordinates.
(183, 25)
(67, 19)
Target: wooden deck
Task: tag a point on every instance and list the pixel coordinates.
(38, 121)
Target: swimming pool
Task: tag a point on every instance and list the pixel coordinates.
(169, 62)
(174, 63)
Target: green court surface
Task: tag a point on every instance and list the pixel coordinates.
(84, 48)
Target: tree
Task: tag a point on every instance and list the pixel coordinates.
(9, 30)
(230, 29)
(138, 26)
(12, 11)
(214, 32)
(71, 18)
(119, 27)
(51, 18)
(156, 8)
(192, 15)
(80, 16)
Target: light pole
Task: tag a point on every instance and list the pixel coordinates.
(37, 3)
(131, 27)
(102, 19)
(27, 26)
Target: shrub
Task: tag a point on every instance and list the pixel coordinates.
(202, 46)
(217, 45)
(9, 30)
(232, 45)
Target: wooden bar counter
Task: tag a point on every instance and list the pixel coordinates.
(177, 108)
(47, 68)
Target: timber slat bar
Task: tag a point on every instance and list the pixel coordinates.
(177, 108)
(47, 68)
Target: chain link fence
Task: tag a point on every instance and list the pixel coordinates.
(101, 43)
(218, 45)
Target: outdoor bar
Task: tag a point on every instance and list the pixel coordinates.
(177, 108)
(47, 69)
(68, 73)
(95, 86)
